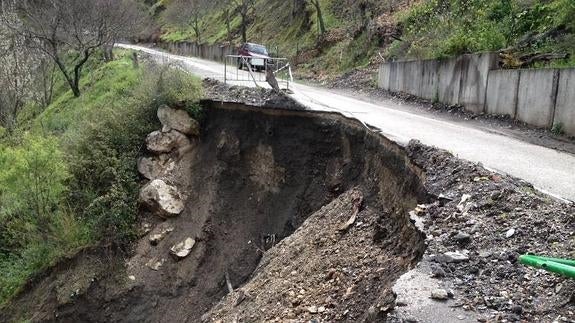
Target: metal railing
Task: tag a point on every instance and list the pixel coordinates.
(238, 68)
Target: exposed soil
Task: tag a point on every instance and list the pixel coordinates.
(255, 176)
(308, 215)
(494, 218)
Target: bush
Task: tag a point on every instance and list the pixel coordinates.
(32, 181)
(438, 28)
(35, 228)
(168, 85)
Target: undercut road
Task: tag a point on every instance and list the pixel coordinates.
(547, 169)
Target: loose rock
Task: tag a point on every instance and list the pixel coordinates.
(439, 294)
(454, 257)
(154, 167)
(462, 237)
(162, 198)
(156, 238)
(178, 120)
(183, 249)
(155, 264)
(165, 142)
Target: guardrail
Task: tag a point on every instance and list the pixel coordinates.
(256, 70)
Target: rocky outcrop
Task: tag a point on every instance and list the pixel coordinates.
(161, 198)
(180, 120)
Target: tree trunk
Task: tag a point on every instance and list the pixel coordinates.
(73, 82)
(228, 24)
(197, 29)
(244, 27)
(317, 6)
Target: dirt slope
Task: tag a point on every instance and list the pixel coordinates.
(254, 177)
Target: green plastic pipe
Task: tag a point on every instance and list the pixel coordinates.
(563, 267)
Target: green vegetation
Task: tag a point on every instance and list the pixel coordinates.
(287, 34)
(359, 31)
(68, 175)
(439, 28)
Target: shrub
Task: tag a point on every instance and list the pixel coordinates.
(168, 85)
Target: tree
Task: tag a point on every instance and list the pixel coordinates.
(317, 5)
(16, 74)
(244, 9)
(188, 13)
(71, 31)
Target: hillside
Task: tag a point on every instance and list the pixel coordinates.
(68, 175)
(358, 33)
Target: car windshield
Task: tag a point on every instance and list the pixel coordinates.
(258, 49)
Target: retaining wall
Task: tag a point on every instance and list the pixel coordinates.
(565, 103)
(212, 52)
(540, 97)
(502, 87)
(536, 97)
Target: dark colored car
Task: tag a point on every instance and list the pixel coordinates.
(255, 54)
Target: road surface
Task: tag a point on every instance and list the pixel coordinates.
(548, 170)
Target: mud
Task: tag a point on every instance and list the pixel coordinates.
(254, 178)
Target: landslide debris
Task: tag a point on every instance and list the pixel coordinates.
(477, 227)
(304, 215)
(323, 273)
(249, 181)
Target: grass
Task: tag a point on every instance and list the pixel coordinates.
(442, 28)
(68, 175)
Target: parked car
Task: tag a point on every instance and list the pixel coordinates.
(256, 56)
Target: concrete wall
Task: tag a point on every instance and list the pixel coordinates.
(474, 73)
(565, 103)
(460, 80)
(211, 52)
(502, 87)
(449, 72)
(536, 96)
(429, 80)
(539, 97)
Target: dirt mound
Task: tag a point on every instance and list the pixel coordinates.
(253, 178)
(340, 265)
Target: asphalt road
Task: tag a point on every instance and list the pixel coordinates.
(548, 170)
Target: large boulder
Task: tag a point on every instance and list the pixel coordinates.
(162, 198)
(155, 166)
(178, 120)
(164, 142)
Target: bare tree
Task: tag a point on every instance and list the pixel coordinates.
(244, 8)
(16, 72)
(188, 13)
(70, 31)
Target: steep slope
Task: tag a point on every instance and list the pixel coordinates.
(360, 33)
